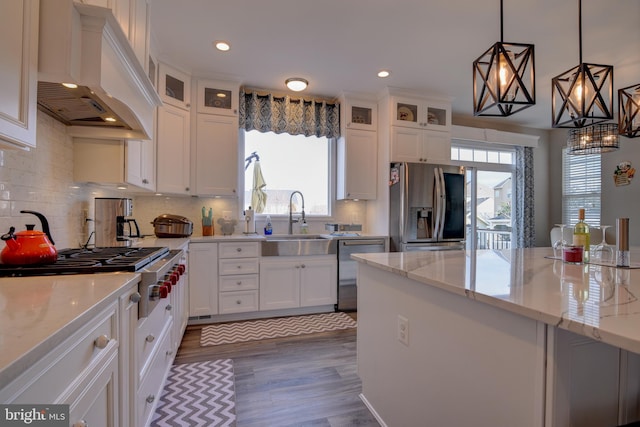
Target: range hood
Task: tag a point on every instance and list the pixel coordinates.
(84, 45)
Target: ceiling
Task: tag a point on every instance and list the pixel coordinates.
(429, 46)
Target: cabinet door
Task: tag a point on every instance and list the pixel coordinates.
(406, 144)
(436, 147)
(406, 112)
(218, 97)
(134, 162)
(18, 86)
(361, 115)
(216, 155)
(318, 282)
(203, 279)
(173, 157)
(97, 405)
(279, 284)
(357, 165)
(437, 116)
(174, 87)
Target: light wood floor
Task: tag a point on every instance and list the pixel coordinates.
(308, 380)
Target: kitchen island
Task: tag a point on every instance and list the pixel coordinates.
(497, 338)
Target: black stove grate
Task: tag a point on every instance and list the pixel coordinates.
(88, 261)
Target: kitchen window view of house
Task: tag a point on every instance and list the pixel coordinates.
(490, 173)
(289, 163)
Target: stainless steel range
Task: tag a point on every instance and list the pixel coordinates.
(160, 268)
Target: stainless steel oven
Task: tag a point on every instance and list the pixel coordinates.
(347, 267)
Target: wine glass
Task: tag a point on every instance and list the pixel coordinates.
(558, 244)
(603, 252)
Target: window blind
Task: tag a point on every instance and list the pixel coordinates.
(581, 187)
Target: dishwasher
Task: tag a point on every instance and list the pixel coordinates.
(347, 268)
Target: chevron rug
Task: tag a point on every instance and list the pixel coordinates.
(198, 394)
(227, 333)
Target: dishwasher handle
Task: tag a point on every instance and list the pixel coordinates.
(363, 242)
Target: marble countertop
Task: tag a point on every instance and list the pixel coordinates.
(592, 300)
(38, 313)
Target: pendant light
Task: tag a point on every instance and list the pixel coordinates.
(504, 78)
(629, 111)
(594, 139)
(583, 95)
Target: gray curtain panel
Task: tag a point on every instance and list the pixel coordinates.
(524, 225)
(284, 114)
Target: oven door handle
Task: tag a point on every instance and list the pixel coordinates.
(376, 242)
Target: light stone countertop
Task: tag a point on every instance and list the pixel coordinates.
(38, 313)
(591, 300)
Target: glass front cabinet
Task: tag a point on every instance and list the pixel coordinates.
(360, 115)
(174, 87)
(218, 97)
(421, 113)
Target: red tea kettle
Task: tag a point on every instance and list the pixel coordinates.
(28, 247)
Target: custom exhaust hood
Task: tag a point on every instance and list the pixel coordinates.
(84, 45)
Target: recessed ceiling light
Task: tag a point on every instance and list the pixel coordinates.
(384, 73)
(222, 45)
(70, 85)
(109, 119)
(296, 84)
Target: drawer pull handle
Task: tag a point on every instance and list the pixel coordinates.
(135, 297)
(304, 266)
(150, 338)
(238, 249)
(168, 307)
(101, 341)
(169, 352)
(238, 283)
(151, 398)
(81, 423)
(239, 302)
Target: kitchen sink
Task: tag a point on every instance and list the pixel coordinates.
(298, 245)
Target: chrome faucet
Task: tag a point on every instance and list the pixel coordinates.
(291, 220)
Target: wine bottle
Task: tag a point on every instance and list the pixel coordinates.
(581, 235)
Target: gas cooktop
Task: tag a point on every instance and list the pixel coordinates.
(88, 261)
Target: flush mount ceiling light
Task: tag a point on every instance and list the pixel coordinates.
(629, 111)
(595, 139)
(504, 78)
(296, 84)
(384, 73)
(583, 95)
(222, 45)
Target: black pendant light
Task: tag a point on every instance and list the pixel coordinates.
(629, 111)
(583, 95)
(594, 139)
(504, 78)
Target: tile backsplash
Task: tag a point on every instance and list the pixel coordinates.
(42, 180)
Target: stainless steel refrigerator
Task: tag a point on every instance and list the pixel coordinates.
(426, 207)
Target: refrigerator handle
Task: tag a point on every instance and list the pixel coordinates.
(437, 203)
(443, 202)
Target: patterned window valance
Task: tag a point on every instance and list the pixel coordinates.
(269, 112)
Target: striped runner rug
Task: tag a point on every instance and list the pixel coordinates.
(198, 394)
(253, 330)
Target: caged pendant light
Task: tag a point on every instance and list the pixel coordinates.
(595, 139)
(629, 111)
(583, 95)
(504, 78)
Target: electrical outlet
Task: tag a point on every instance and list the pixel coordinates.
(403, 330)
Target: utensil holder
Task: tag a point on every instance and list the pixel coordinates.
(207, 230)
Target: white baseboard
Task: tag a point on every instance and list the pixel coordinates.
(373, 411)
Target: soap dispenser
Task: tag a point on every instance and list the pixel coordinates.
(268, 228)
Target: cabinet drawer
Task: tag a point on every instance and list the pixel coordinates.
(151, 385)
(149, 332)
(238, 302)
(241, 282)
(238, 250)
(51, 376)
(238, 266)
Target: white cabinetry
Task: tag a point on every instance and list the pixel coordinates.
(18, 86)
(420, 128)
(173, 167)
(174, 87)
(238, 267)
(357, 150)
(203, 279)
(82, 372)
(114, 162)
(291, 282)
(218, 97)
(216, 155)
